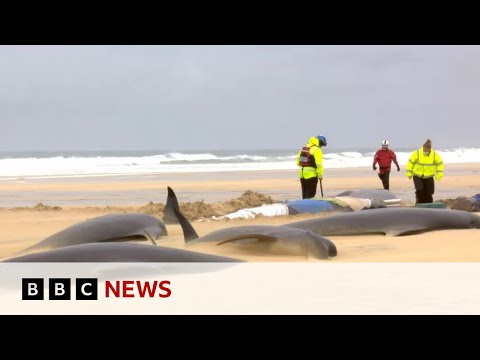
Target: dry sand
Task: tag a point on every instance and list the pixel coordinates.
(31, 210)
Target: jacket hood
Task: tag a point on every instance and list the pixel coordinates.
(314, 141)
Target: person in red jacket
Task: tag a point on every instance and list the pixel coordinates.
(384, 158)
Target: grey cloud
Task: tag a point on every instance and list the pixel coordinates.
(203, 97)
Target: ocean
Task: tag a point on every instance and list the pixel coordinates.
(46, 165)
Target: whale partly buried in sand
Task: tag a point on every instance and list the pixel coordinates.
(273, 239)
(106, 228)
(390, 221)
(119, 252)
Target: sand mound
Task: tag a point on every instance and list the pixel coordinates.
(195, 210)
(40, 207)
(200, 209)
(192, 210)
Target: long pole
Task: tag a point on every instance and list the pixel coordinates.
(321, 187)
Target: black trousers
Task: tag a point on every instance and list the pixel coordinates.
(385, 177)
(309, 187)
(424, 189)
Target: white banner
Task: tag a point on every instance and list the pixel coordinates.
(240, 288)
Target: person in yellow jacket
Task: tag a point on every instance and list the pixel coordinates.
(310, 161)
(424, 165)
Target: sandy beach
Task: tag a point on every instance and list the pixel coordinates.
(31, 210)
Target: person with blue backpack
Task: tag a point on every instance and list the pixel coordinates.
(310, 161)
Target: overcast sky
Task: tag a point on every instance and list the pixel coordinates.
(237, 97)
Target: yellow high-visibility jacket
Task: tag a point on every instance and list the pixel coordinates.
(425, 166)
(308, 172)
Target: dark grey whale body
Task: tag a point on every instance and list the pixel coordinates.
(106, 228)
(372, 194)
(119, 252)
(390, 221)
(274, 239)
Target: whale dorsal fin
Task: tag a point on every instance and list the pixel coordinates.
(189, 232)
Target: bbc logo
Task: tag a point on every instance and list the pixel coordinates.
(59, 289)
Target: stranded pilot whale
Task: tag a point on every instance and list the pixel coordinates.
(106, 228)
(111, 260)
(273, 239)
(119, 252)
(390, 221)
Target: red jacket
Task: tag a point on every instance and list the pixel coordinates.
(384, 159)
